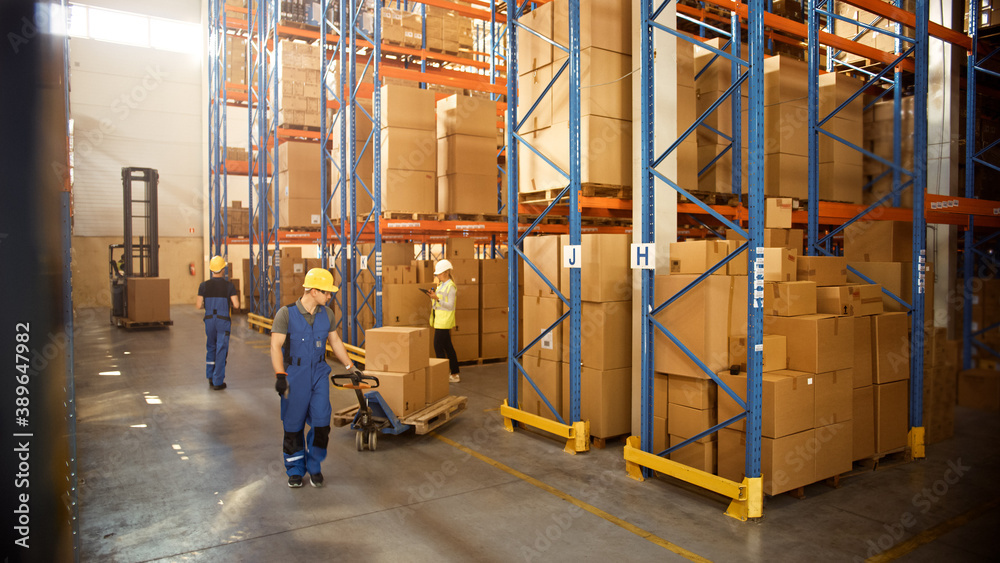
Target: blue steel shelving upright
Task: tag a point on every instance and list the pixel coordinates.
(262, 157)
(975, 156)
(574, 431)
(823, 9)
(217, 175)
(359, 228)
(333, 85)
(640, 457)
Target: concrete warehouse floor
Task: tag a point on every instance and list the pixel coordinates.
(203, 480)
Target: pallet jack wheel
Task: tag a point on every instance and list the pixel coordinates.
(360, 441)
(372, 440)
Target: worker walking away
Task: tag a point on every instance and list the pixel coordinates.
(299, 334)
(443, 316)
(215, 295)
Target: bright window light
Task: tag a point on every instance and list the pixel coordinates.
(169, 35)
(77, 21)
(118, 27)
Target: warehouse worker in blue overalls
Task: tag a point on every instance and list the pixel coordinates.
(299, 334)
(215, 296)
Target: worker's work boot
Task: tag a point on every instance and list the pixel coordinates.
(316, 479)
(454, 378)
(294, 481)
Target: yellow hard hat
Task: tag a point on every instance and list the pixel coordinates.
(217, 264)
(321, 279)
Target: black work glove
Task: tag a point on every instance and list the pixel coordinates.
(281, 384)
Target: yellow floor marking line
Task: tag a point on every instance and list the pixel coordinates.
(927, 536)
(572, 500)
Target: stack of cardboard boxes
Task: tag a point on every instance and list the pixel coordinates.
(448, 31)
(605, 330)
(362, 117)
(840, 166)
(606, 110)
(880, 140)
(714, 78)
(940, 384)
(466, 155)
(409, 379)
(237, 220)
(878, 39)
(409, 150)
(236, 56)
(299, 82)
(299, 169)
(292, 274)
(979, 387)
(493, 309)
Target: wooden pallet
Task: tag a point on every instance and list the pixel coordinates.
(878, 461)
(800, 492)
(484, 217)
(345, 416)
(130, 324)
(481, 361)
(546, 196)
(601, 443)
(310, 128)
(413, 216)
(715, 198)
(437, 414)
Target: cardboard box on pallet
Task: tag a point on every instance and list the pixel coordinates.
(863, 346)
(782, 464)
(544, 253)
(816, 343)
(148, 299)
(408, 191)
(466, 322)
(788, 401)
(404, 392)
(692, 392)
(468, 193)
(892, 409)
(493, 271)
(863, 420)
(466, 346)
(494, 345)
(605, 335)
(408, 107)
(602, 92)
(547, 376)
(605, 400)
(890, 347)
(465, 154)
(835, 449)
(700, 319)
(538, 314)
(408, 149)
(437, 380)
(605, 274)
(466, 115)
(700, 456)
(979, 389)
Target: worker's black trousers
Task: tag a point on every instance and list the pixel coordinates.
(443, 348)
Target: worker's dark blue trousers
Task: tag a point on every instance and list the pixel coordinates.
(216, 349)
(308, 402)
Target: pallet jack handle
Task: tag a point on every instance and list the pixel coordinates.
(354, 380)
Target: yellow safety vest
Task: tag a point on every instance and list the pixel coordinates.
(443, 313)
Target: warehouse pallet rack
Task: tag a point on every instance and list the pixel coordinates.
(984, 250)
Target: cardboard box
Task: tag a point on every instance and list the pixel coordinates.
(892, 411)
(788, 401)
(467, 296)
(602, 92)
(408, 191)
(783, 464)
(606, 154)
(544, 253)
(878, 241)
(979, 389)
(605, 335)
(890, 347)
(530, 85)
(148, 299)
(895, 277)
(493, 271)
(660, 439)
(687, 422)
(862, 352)
(460, 248)
(397, 349)
(816, 343)
(697, 455)
(692, 392)
(775, 352)
(785, 79)
(465, 154)
(835, 449)
(834, 395)
(780, 264)
(299, 212)
(494, 295)
(605, 400)
(465, 271)
(408, 107)
(538, 314)
(467, 193)
(699, 319)
(547, 376)
(466, 321)
(467, 115)
(783, 175)
(532, 51)
(863, 421)
(776, 238)
(661, 394)
(697, 256)
(405, 393)
(494, 320)
(790, 299)
(824, 270)
(494, 345)
(409, 149)
(299, 156)
(853, 300)
(778, 213)
(402, 305)
(606, 24)
(605, 273)
(437, 380)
